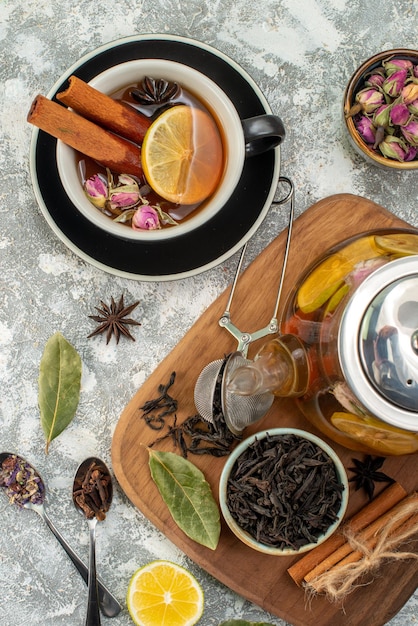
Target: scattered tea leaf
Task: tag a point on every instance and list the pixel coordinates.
(59, 386)
(188, 496)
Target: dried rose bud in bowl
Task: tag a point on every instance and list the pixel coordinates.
(381, 109)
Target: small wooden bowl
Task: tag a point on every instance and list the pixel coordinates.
(245, 536)
(356, 82)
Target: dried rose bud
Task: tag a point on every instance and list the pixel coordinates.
(145, 218)
(409, 93)
(369, 99)
(125, 194)
(381, 116)
(366, 128)
(375, 80)
(125, 179)
(393, 65)
(411, 153)
(96, 190)
(399, 114)
(393, 148)
(413, 107)
(410, 132)
(123, 199)
(394, 84)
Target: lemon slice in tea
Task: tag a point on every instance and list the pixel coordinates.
(328, 277)
(164, 594)
(182, 155)
(402, 244)
(385, 439)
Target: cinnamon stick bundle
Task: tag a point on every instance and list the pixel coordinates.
(369, 553)
(106, 148)
(103, 110)
(325, 554)
(368, 536)
(366, 541)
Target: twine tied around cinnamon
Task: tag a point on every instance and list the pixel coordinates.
(368, 553)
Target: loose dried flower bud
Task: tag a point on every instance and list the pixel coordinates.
(395, 83)
(96, 190)
(382, 115)
(125, 194)
(393, 65)
(399, 114)
(145, 218)
(410, 93)
(123, 199)
(413, 107)
(369, 99)
(375, 80)
(366, 128)
(411, 153)
(393, 148)
(410, 132)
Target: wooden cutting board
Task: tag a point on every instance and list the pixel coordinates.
(263, 579)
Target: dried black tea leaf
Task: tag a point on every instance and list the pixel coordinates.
(284, 491)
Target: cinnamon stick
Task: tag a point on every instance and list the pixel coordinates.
(388, 498)
(370, 541)
(100, 108)
(108, 149)
(368, 535)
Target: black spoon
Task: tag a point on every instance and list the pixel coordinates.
(92, 496)
(108, 603)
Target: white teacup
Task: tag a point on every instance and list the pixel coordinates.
(241, 139)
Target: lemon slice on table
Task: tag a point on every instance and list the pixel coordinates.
(383, 438)
(403, 244)
(328, 277)
(164, 594)
(182, 155)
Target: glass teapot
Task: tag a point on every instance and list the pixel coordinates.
(348, 348)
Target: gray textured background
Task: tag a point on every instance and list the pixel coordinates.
(301, 54)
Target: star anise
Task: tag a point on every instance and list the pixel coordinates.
(113, 320)
(366, 474)
(155, 91)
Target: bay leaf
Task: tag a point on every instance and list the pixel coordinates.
(188, 496)
(58, 386)
(243, 622)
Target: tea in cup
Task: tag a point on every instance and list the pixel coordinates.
(191, 95)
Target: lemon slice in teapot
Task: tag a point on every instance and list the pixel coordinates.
(402, 244)
(381, 437)
(328, 277)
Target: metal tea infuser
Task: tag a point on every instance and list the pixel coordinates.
(240, 411)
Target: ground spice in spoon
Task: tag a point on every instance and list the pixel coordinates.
(93, 494)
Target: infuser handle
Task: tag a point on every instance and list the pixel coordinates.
(243, 338)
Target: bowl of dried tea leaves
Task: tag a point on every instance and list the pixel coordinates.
(283, 491)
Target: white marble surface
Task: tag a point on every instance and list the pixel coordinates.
(301, 54)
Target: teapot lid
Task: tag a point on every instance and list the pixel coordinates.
(378, 343)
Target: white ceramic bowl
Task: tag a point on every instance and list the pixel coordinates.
(243, 535)
(217, 102)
